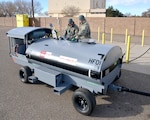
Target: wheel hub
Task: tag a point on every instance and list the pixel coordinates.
(82, 103)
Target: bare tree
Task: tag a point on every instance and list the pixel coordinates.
(24, 7)
(7, 9)
(37, 7)
(2, 9)
(19, 7)
(43, 13)
(146, 13)
(127, 15)
(70, 11)
(10, 8)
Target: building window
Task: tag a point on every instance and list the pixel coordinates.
(98, 13)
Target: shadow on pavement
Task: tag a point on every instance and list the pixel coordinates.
(120, 104)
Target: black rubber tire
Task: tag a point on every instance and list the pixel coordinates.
(91, 95)
(24, 74)
(83, 101)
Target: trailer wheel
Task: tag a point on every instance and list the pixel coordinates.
(91, 96)
(24, 74)
(83, 101)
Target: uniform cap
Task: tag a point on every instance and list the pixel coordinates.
(70, 21)
(51, 25)
(81, 17)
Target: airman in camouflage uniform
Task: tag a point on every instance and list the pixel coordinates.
(71, 30)
(84, 29)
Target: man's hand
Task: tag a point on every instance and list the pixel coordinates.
(77, 37)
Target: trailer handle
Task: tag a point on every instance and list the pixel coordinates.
(124, 89)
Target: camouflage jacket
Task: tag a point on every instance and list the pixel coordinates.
(71, 31)
(84, 31)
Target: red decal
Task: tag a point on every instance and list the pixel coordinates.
(42, 54)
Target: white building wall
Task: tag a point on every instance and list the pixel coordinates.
(86, 7)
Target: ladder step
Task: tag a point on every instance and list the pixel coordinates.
(61, 89)
(32, 79)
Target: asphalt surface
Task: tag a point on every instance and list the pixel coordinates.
(19, 101)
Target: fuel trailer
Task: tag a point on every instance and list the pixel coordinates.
(91, 67)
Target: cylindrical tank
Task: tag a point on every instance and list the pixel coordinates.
(83, 58)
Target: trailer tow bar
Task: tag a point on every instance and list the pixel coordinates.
(124, 89)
